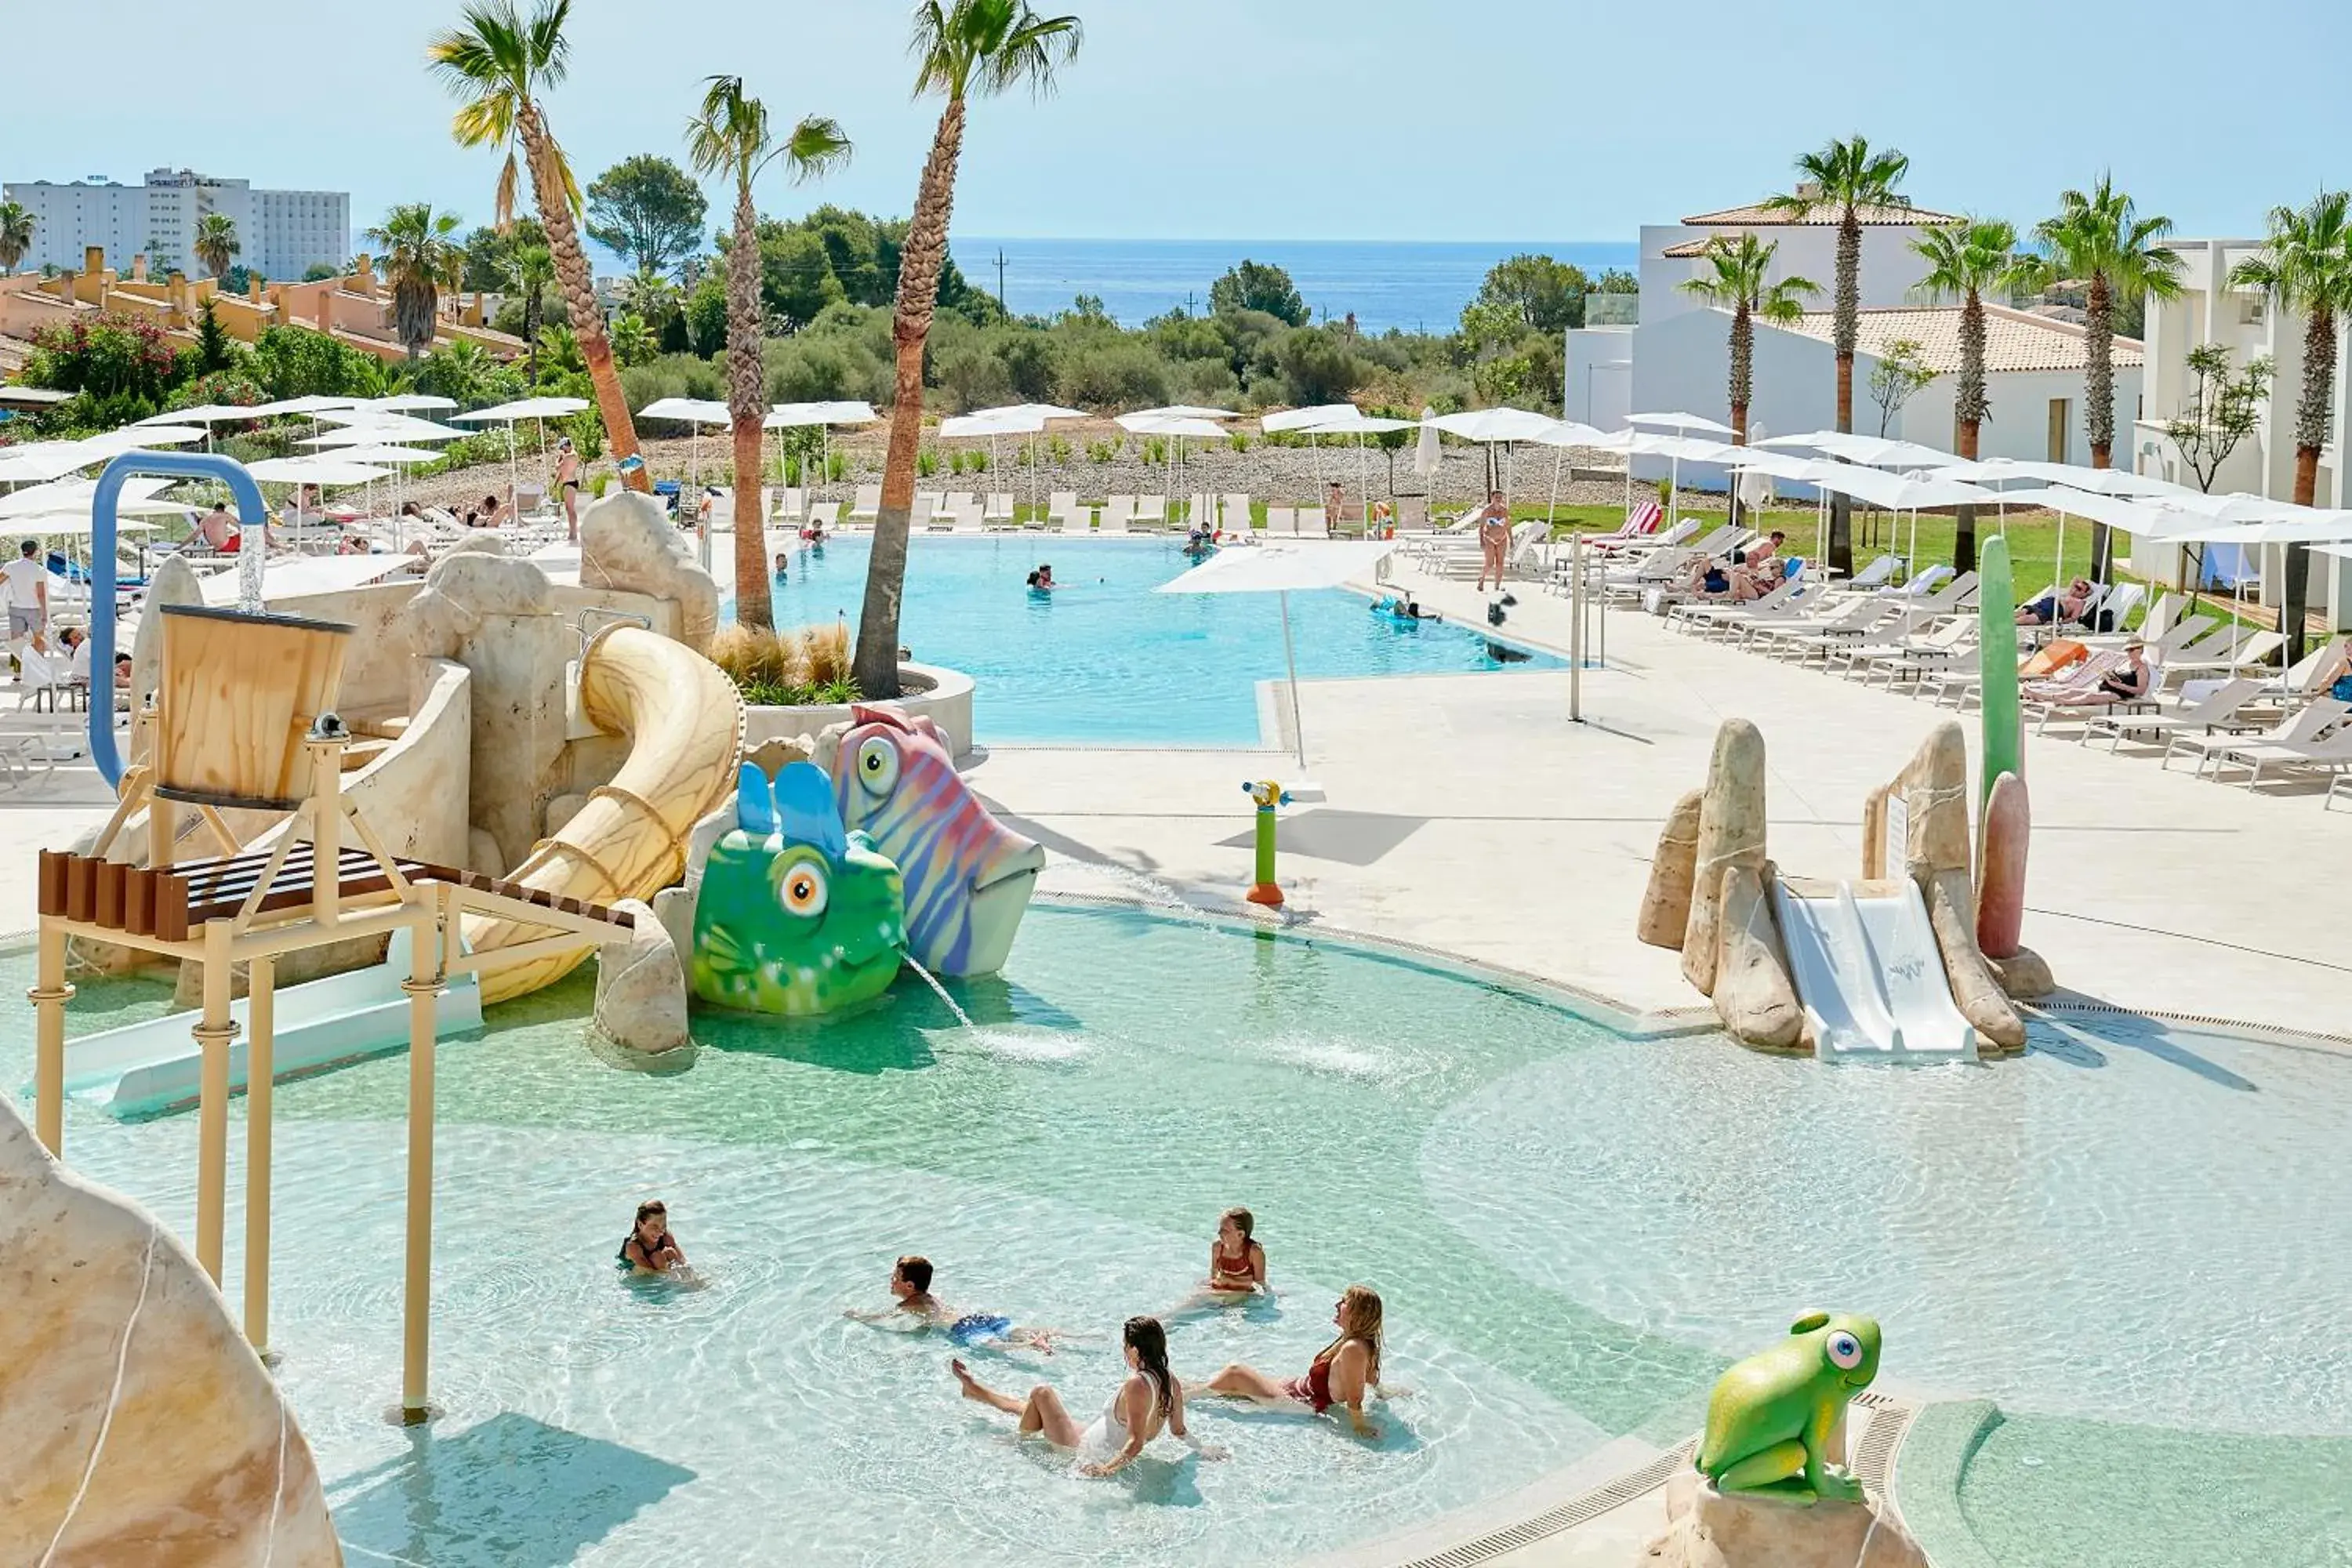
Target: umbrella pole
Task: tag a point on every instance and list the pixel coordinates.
(1290, 667)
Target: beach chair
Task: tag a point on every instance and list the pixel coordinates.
(1151, 514)
(791, 504)
(970, 518)
(1846, 621)
(824, 516)
(2331, 749)
(2218, 711)
(1926, 584)
(1117, 514)
(929, 503)
(999, 511)
(1312, 523)
(955, 501)
(1873, 577)
(1061, 506)
(1641, 520)
(1891, 655)
(1411, 513)
(1233, 517)
(2297, 729)
(2256, 649)
(2312, 675)
(867, 503)
(1281, 523)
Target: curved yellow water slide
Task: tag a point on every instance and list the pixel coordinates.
(684, 720)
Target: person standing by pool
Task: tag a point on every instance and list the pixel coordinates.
(1345, 1372)
(651, 1248)
(1494, 539)
(28, 594)
(1150, 1401)
(910, 1282)
(567, 485)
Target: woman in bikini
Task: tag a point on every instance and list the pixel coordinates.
(651, 1248)
(1345, 1372)
(1236, 1266)
(567, 485)
(1150, 1401)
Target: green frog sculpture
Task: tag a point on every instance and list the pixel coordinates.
(1771, 1417)
(794, 916)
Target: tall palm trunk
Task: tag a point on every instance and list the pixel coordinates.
(554, 202)
(920, 263)
(2099, 401)
(1846, 329)
(1743, 384)
(1969, 404)
(746, 408)
(2311, 411)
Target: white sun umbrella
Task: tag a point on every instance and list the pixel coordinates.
(36, 462)
(1426, 454)
(695, 413)
(1294, 420)
(1770, 465)
(1490, 427)
(1896, 493)
(1562, 434)
(1046, 413)
(321, 469)
(991, 424)
(538, 409)
(1182, 427)
(1283, 567)
(1678, 450)
(1681, 424)
(412, 403)
(131, 438)
(1360, 427)
(139, 498)
(204, 415)
(823, 415)
(399, 428)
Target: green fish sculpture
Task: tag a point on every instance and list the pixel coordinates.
(796, 916)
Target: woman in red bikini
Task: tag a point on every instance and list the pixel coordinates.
(1236, 1267)
(1345, 1372)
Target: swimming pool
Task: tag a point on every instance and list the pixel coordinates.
(1106, 660)
(1573, 1230)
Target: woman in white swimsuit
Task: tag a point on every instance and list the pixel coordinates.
(1150, 1400)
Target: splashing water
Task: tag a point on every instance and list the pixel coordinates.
(933, 981)
(1153, 892)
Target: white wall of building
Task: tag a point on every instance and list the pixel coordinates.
(1599, 385)
(281, 234)
(1889, 270)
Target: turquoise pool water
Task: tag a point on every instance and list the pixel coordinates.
(1572, 1231)
(1106, 660)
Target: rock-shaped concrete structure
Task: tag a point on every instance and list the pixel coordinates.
(1730, 833)
(173, 582)
(777, 751)
(1665, 903)
(1705, 1528)
(1934, 789)
(641, 987)
(626, 542)
(1754, 994)
(2000, 867)
(142, 1429)
(1976, 991)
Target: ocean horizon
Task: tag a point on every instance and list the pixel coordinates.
(1413, 286)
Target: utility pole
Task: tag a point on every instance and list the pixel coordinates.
(999, 282)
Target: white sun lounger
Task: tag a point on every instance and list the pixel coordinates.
(2297, 729)
(866, 504)
(1151, 514)
(1312, 523)
(1281, 523)
(2217, 710)
(999, 510)
(1117, 514)
(1233, 516)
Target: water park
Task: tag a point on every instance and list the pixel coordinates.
(1713, 999)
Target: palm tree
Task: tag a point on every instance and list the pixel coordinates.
(1964, 260)
(1739, 284)
(732, 136)
(2307, 263)
(534, 270)
(2101, 240)
(499, 62)
(216, 244)
(1846, 176)
(16, 235)
(965, 46)
(421, 257)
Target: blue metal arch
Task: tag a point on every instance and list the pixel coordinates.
(252, 512)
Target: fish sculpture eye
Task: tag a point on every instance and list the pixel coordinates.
(802, 890)
(877, 765)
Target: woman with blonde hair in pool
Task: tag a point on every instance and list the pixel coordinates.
(1346, 1373)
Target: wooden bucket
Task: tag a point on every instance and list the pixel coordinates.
(239, 692)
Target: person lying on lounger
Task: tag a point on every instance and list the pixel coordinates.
(2057, 609)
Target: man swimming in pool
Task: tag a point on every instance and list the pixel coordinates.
(910, 1282)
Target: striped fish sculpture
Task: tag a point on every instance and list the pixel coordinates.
(794, 916)
(967, 876)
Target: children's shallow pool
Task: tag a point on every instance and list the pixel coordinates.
(1571, 1229)
(1106, 660)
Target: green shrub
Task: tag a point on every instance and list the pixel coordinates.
(927, 462)
(1058, 451)
(979, 460)
(1155, 450)
(837, 466)
(1239, 441)
(1102, 451)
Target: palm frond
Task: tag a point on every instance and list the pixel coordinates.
(550, 52)
(816, 147)
(509, 186)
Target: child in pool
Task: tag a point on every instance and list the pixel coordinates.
(1236, 1265)
(651, 1248)
(910, 1282)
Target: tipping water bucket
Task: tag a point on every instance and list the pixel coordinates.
(239, 692)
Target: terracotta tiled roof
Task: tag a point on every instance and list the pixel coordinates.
(2014, 341)
(1689, 247)
(1823, 215)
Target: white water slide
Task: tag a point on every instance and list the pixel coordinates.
(1870, 976)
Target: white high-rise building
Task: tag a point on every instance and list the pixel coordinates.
(281, 234)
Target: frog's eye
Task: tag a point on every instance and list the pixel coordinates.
(877, 765)
(1845, 1351)
(803, 889)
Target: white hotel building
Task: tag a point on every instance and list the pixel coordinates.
(281, 234)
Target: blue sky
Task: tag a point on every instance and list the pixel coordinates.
(1270, 119)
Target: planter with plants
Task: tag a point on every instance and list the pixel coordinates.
(796, 682)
